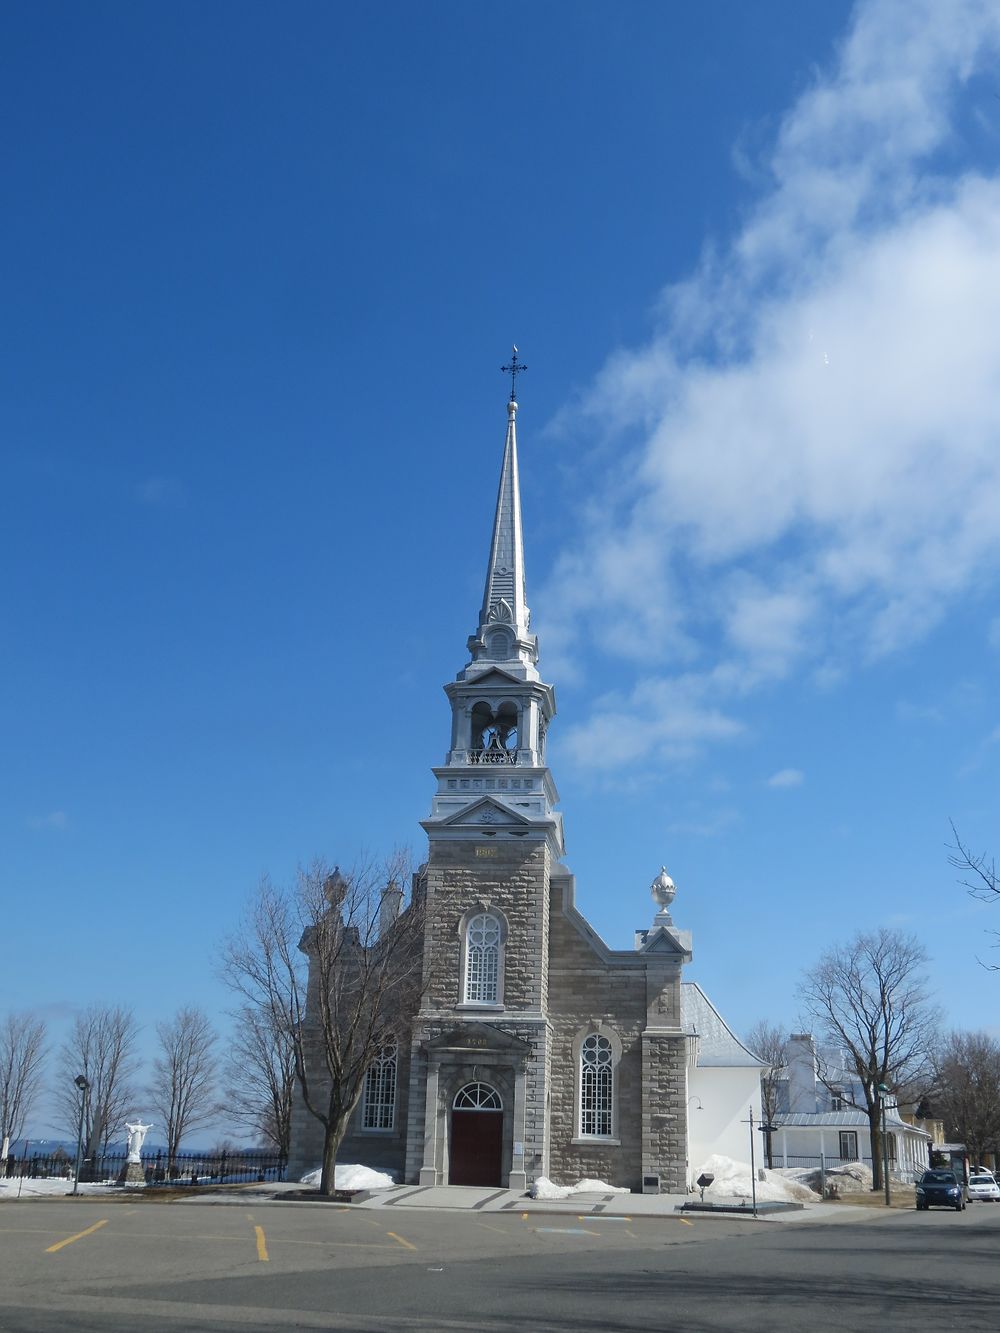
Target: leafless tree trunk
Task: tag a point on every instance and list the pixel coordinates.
(768, 1040)
(336, 966)
(22, 1058)
(101, 1047)
(260, 1077)
(182, 1090)
(870, 998)
(967, 1089)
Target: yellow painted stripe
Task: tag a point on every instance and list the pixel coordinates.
(79, 1236)
(685, 1221)
(401, 1241)
(524, 1217)
(261, 1245)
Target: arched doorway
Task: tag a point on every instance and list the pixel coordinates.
(476, 1136)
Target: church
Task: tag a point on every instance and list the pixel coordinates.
(536, 1050)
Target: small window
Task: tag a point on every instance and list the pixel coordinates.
(837, 1102)
(848, 1145)
(596, 1087)
(379, 1108)
(891, 1147)
(482, 959)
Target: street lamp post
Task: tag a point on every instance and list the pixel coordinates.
(84, 1087)
(883, 1093)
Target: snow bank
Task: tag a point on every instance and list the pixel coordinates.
(352, 1178)
(33, 1188)
(733, 1181)
(852, 1178)
(544, 1189)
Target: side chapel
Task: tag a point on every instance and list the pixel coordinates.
(536, 1049)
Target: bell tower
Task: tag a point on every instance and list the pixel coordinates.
(495, 778)
(482, 1035)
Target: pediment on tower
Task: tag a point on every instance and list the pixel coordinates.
(477, 1036)
(495, 676)
(669, 942)
(488, 814)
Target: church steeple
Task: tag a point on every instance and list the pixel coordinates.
(504, 632)
(495, 774)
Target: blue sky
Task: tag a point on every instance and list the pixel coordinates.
(263, 264)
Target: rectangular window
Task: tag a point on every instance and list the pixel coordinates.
(379, 1109)
(837, 1102)
(848, 1145)
(891, 1146)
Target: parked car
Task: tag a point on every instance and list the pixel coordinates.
(939, 1189)
(983, 1185)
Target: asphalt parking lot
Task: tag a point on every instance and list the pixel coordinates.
(110, 1266)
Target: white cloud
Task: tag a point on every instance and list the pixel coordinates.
(158, 491)
(55, 819)
(816, 478)
(787, 777)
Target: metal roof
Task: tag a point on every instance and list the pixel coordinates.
(842, 1120)
(718, 1046)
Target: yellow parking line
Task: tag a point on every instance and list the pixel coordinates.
(401, 1241)
(685, 1221)
(261, 1245)
(79, 1236)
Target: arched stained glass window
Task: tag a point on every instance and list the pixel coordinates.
(596, 1087)
(482, 959)
(379, 1110)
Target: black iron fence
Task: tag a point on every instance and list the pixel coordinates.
(227, 1166)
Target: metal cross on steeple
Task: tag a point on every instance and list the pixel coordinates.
(513, 370)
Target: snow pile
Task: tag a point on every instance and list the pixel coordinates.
(852, 1178)
(33, 1188)
(733, 1181)
(544, 1189)
(352, 1178)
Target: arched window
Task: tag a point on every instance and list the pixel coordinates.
(477, 1097)
(379, 1105)
(597, 1087)
(483, 935)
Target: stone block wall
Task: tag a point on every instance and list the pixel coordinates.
(584, 989)
(664, 1111)
(381, 1150)
(506, 873)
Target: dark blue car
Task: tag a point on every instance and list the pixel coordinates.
(940, 1189)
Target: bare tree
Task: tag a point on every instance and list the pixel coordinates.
(183, 1086)
(22, 1058)
(984, 883)
(769, 1040)
(870, 998)
(101, 1047)
(981, 869)
(967, 1089)
(260, 1077)
(335, 964)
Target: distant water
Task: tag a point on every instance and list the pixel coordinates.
(48, 1147)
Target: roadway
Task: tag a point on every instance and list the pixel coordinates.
(115, 1267)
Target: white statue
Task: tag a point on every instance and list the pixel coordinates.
(136, 1135)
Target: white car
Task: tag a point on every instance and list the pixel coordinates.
(983, 1186)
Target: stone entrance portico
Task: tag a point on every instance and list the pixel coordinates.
(473, 1053)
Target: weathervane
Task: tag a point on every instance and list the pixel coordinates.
(513, 370)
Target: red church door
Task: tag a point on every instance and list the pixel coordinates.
(476, 1156)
